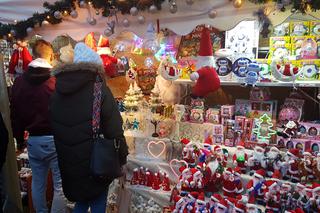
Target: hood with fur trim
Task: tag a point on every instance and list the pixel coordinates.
(70, 78)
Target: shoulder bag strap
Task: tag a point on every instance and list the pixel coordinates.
(96, 106)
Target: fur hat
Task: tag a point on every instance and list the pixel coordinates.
(83, 53)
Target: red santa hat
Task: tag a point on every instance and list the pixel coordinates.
(103, 46)
(217, 148)
(231, 201)
(286, 186)
(298, 210)
(223, 204)
(300, 186)
(183, 169)
(216, 197)
(241, 145)
(201, 165)
(228, 171)
(294, 153)
(205, 55)
(308, 152)
(193, 195)
(276, 175)
(240, 207)
(185, 141)
(237, 171)
(315, 187)
(270, 184)
(261, 173)
(201, 199)
(207, 142)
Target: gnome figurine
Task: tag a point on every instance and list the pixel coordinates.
(206, 77)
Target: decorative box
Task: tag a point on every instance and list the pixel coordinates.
(197, 103)
(302, 144)
(213, 116)
(243, 128)
(255, 109)
(196, 115)
(227, 112)
(229, 133)
(309, 130)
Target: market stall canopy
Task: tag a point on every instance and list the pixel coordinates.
(182, 22)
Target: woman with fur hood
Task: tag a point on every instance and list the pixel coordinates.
(71, 113)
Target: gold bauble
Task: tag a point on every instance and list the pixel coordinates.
(237, 3)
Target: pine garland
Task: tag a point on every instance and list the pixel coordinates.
(19, 29)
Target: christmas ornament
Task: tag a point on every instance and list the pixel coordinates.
(173, 6)
(107, 32)
(110, 28)
(189, 2)
(134, 11)
(29, 30)
(126, 22)
(45, 23)
(156, 148)
(92, 21)
(74, 14)
(57, 15)
(237, 3)
(206, 76)
(97, 12)
(82, 4)
(148, 62)
(264, 129)
(212, 13)
(153, 9)
(141, 19)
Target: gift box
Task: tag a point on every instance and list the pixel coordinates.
(255, 109)
(196, 115)
(213, 116)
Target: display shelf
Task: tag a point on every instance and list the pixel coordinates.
(261, 84)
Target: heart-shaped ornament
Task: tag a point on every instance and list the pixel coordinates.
(176, 164)
(156, 148)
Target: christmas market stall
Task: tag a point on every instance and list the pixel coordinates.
(219, 99)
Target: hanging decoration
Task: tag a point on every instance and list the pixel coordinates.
(264, 22)
(173, 6)
(134, 11)
(212, 13)
(141, 19)
(126, 22)
(237, 3)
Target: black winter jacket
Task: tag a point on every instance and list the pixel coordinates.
(71, 116)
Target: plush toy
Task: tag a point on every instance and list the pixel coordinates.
(228, 183)
(290, 129)
(109, 61)
(274, 162)
(252, 75)
(20, 59)
(206, 77)
(212, 175)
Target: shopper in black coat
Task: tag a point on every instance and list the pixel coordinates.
(71, 115)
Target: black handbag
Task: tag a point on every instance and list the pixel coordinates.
(105, 163)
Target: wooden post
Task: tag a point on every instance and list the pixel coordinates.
(10, 170)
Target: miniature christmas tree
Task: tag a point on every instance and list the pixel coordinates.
(155, 101)
(138, 92)
(264, 129)
(131, 100)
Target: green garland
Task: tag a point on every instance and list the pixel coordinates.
(297, 5)
(19, 29)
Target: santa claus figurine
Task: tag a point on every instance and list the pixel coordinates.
(222, 206)
(19, 60)
(316, 167)
(315, 199)
(165, 183)
(228, 183)
(142, 176)
(293, 172)
(272, 193)
(206, 75)
(149, 178)
(192, 198)
(256, 187)
(308, 164)
(286, 195)
(188, 153)
(290, 129)
(252, 208)
(213, 203)
(273, 161)
(222, 156)
(135, 177)
(239, 208)
(184, 179)
(257, 160)
(298, 196)
(180, 204)
(240, 158)
(238, 180)
(213, 174)
(109, 61)
(201, 205)
(156, 182)
(197, 183)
